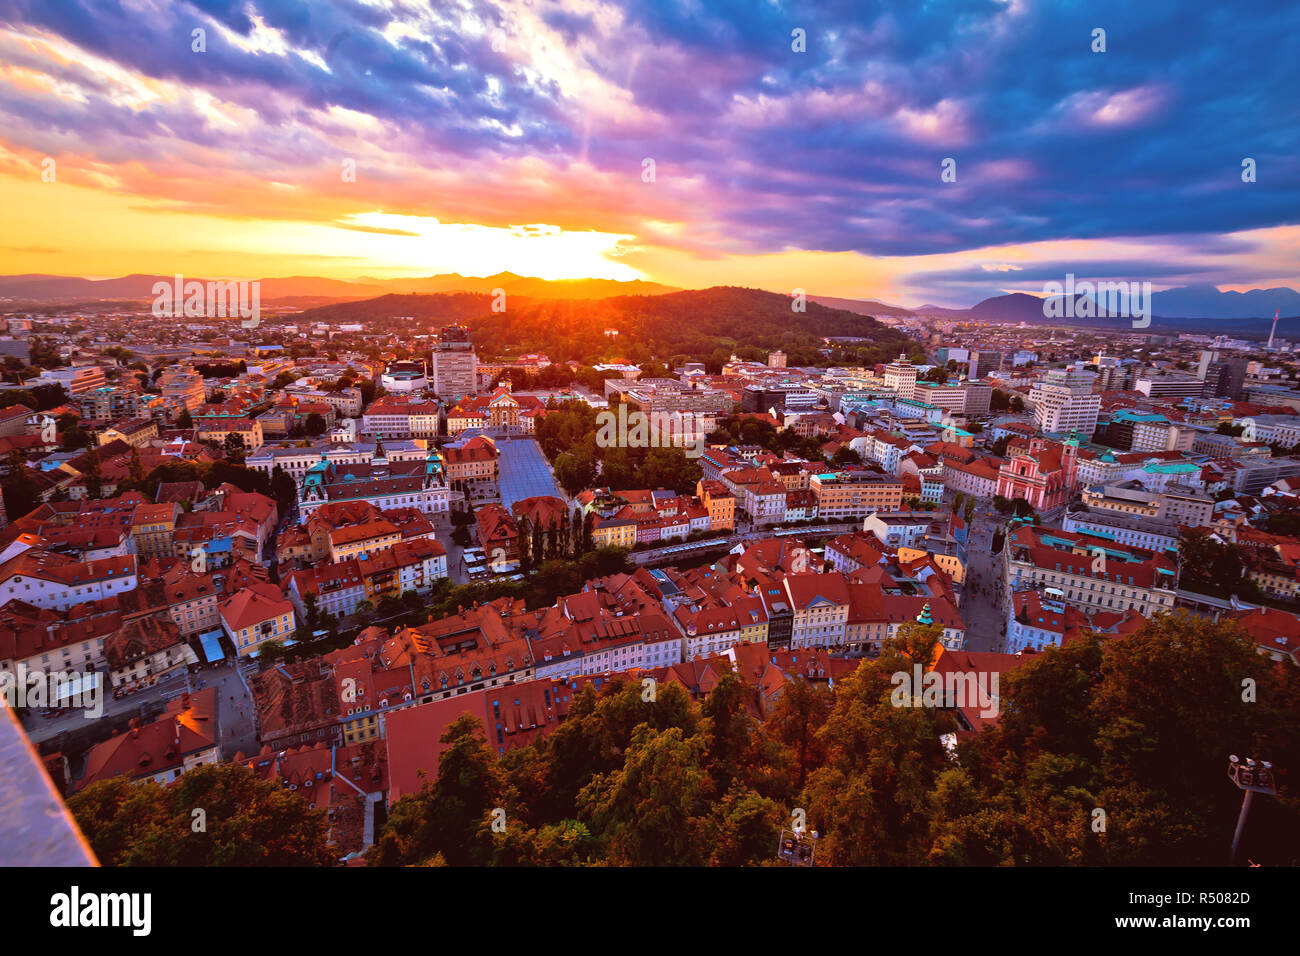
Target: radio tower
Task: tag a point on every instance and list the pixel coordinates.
(1274, 329)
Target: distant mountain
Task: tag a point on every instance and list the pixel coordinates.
(1207, 302)
(690, 322)
(1199, 303)
(39, 288)
(861, 306)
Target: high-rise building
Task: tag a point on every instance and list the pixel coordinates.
(900, 377)
(1065, 402)
(454, 366)
(983, 361)
(979, 399)
(1223, 377)
(776, 359)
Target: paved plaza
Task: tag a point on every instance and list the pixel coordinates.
(524, 472)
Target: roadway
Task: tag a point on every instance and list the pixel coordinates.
(983, 607)
(234, 708)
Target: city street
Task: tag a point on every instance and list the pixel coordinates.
(982, 607)
(234, 708)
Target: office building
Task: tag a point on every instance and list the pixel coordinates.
(454, 366)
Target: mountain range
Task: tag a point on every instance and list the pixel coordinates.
(1192, 306)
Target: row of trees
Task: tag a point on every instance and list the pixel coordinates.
(633, 777)
(568, 537)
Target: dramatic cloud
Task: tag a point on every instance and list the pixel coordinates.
(493, 114)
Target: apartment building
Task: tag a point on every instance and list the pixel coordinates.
(719, 502)
(900, 377)
(453, 366)
(1062, 407)
(1090, 571)
(255, 614)
(248, 430)
(821, 609)
(855, 494)
(1175, 504)
(1281, 430)
(472, 466)
(153, 526)
(75, 380)
(182, 389)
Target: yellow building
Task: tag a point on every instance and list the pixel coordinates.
(950, 563)
(350, 541)
(614, 533)
(719, 502)
(152, 526)
(216, 430)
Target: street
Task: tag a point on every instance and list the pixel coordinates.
(234, 708)
(982, 606)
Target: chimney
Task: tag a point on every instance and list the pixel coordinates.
(134, 724)
(185, 701)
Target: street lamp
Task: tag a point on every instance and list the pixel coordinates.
(1252, 777)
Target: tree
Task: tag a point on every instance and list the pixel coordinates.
(450, 816)
(313, 613)
(575, 470)
(871, 798)
(234, 444)
(1081, 730)
(650, 809)
(575, 534)
(21, 493)
(799, 714)
(246, 821)
(1210, 566)
(93, 474)
(136, 470)
(315, 424)
(184, 420)
(525, 545)
(563, 530)
(283, 489)
(539, 543)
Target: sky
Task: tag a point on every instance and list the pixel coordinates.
(782, 145)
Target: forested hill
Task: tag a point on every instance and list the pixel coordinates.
(693, 323)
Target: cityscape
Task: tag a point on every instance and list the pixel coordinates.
(596, 434)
